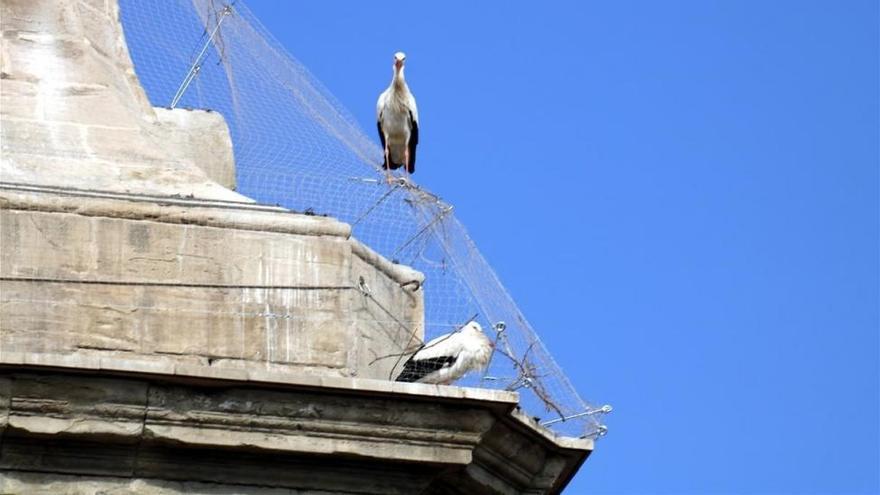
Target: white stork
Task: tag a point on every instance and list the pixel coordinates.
(449, 357)
(398, 121)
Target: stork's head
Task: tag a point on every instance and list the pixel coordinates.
(473, 326)
(476, 329)
(399, 58)
(480, 346)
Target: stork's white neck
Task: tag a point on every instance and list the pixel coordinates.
(398, 81)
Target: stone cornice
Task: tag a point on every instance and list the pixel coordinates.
(486, 444)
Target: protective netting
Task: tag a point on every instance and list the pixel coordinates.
(295, 145)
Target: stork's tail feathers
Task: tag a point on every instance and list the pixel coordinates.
(393, 166)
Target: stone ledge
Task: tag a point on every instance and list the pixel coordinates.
(209, 214)
(171, 199)
(99, 419)
(194, 372)
(401, 274)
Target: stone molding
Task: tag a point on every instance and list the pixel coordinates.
(431, 439)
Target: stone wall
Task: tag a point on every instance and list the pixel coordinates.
(75, 116)
(117, 235)
(211, 285)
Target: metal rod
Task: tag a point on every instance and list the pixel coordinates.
(197, 65)
(370, 209)
(588, 412)
(426, 227)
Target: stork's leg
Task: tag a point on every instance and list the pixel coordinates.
(406, 162)
(388, 177)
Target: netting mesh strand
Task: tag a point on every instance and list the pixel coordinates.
(295, 145)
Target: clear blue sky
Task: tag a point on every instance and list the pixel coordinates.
(683, 198)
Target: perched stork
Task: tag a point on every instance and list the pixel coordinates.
(398, 121)
(449, 357)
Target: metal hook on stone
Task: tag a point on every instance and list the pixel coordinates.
(363, 287)
(416, 283)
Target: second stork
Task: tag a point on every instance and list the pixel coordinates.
(398, 121)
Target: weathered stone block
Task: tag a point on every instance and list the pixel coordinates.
(201, 137)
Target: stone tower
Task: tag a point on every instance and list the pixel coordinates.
(160, 333)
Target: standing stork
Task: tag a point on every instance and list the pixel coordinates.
(449, 357)
(398, 122)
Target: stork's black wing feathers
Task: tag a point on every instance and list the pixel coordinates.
(414, 370)
(413, 141)
(382, 138)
